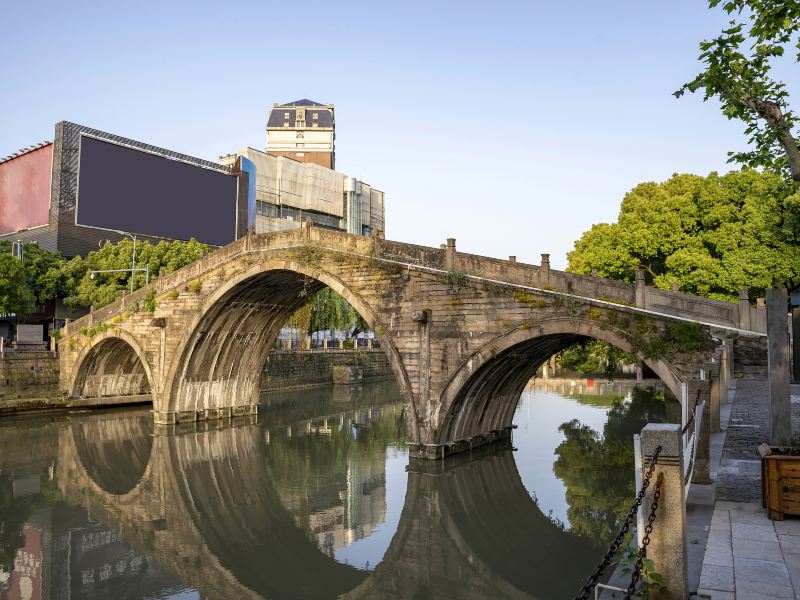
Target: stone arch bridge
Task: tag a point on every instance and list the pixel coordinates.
(463, 333)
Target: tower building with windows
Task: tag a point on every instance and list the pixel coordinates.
(303, 130)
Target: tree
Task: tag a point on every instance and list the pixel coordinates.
(594, 356)
(711, 235)
(15, 294)
(327, 310)
(42, 271)
(738, 65)
(163, 257)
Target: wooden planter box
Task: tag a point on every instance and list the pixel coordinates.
(780, 482)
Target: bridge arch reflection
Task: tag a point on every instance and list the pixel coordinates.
(210, 511)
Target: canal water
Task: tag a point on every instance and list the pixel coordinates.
(317, 498)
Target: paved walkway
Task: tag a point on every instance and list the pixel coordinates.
(748, 556)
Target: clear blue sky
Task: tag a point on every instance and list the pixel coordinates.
(512, 127)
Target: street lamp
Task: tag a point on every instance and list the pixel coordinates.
(133, 261)
(133, 268)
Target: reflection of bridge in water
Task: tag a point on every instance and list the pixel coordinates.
(213, 506)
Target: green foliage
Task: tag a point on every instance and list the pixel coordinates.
(594, 356)
(35, 280)
(650, 579)
(712, 235)
(457, 279)
(15, 293)
(597, 470)
(530, 300)
(150, 301)
(163, 258)
(327, 310)
(195, 285)
(737, 73)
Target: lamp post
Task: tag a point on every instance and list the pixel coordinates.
(133, 260)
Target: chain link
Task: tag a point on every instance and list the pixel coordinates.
(637, 569)
(594, 578)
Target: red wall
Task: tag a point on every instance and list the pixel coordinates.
(25, 190)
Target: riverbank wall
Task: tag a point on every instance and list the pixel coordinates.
(29, 380)
(28, 375)
(293, 369)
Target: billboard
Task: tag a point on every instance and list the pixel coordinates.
(25, 190)
(125, 189)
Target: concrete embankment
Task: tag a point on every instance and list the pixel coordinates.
(29, 380)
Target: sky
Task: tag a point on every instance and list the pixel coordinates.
(510, 126)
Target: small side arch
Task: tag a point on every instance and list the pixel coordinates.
(483, 393)
(114, 364)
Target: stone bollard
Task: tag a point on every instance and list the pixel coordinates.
(714, 397)
(780, 408)
(369, 343)
(667, 548)
(699, 392)
(725, 371)
(324, 343)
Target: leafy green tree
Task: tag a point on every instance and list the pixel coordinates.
(738, 72)
(594, 356)
(163, 257)
(15, 292)
(711, 235)
(41, 271)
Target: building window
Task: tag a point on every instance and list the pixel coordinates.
(300, 135)
(315, 116)
(285, 115)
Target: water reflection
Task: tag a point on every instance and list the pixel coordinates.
(310, 500)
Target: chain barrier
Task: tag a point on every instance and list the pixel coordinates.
(637, 569)
(594, 578)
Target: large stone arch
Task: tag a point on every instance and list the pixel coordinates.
(178, 398)
(114, 364)
(477, 404)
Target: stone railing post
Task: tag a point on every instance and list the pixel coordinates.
(725, 371)
(744, 310)
(714, 399)
(640, 288)
(450, 254)
(667, 547)
(699, 393)
(544, 270)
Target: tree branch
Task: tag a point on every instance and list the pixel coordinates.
(771, 113)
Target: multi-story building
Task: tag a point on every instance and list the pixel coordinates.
(303, 130)
(287, 192)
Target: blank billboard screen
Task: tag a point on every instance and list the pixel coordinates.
(124, 189)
